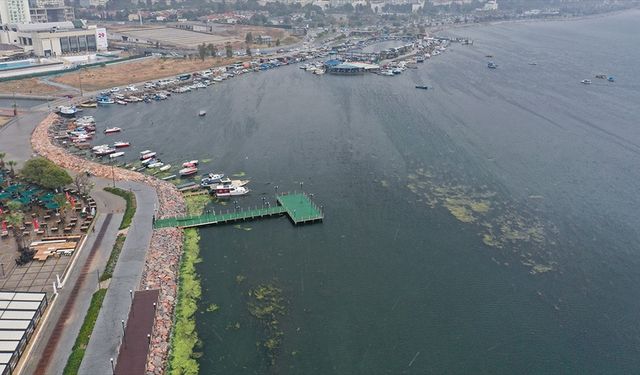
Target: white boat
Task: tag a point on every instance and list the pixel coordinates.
(586, 81)
(387, 73)
(189, 171)
(116, 154)
(121, 144)
(145, 152)
(112, 130)
(94, 148)
(121, 102)
(68, 111)
(165, 167)
(105, 101)
(192, 163)
(202, 113)
(146, 162)
(104, 151)
(115, 89)
(156, 164)
(225, 191)
(148, 155)
(211, 178)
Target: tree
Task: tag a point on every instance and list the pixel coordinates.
(83, 183)
(248, 38)
(228, 50)
(213, 51)
(277, 42)
(248, 51)
(46, 174)
(61, 200)
(202, 51)
(12, 164)
(2, 156)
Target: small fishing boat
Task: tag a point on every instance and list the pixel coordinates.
(145, 152)
(601, 76)
(188, 186)
(99, 147)
(192, 163)
(116, 154)
(533, 63)
(89, 105)
(165, 167)
(611, 79)
(148, 155)
(104, 151)
(202, 113)
(121, 144)
(121, 102)
(225, 191)
(169, 177)
(112, 130)
(422, 87)
(586, 81)
(491, 65)
(146, 162)
(156, 164)
(68, 111)
(106, 101)
(189, 171)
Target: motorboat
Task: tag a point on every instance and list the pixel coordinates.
(105, 101)
(586, 81)
(89, 105)
(112, 130)
(211, 179)
(225, 191)
(145, 152)
(148, 155)
(146, 162)
(422, 87)
(189, 171)
(192, 163)
(601, 76)
(165, 167)
(611, 79)
(492, 65)
(156, 164)
(104, 151)
(116, 154)
(99, 147)
(121, 102)
(533, 63)
(202, 113)
(387, 73)
(121, 144)
(68, 111)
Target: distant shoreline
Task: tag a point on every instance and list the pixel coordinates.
(533, 20)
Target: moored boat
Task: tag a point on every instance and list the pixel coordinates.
(586, 81)
(202, 113)
(89, 105)
(222, 191)
(491, 65)
(121, 144)
(192, 163)
(112, 130)
(165, 167)
(104, 151)
(189, 171)
(422, 87)
(116, 154)
(148, 155)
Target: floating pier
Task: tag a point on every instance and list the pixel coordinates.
(298, 207)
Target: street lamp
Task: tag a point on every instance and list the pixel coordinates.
(113, 367)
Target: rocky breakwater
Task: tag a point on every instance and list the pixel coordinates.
(163, 257)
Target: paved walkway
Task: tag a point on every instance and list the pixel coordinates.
(107, 332)
(15, 136)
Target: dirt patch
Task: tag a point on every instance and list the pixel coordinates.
(137, 71)
(4, 120)
(33, 86)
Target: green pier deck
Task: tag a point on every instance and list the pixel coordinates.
(297, 206)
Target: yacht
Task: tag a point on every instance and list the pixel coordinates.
(222, 191)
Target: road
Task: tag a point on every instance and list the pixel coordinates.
(108, 332)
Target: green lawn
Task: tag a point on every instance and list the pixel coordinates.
(130, 198)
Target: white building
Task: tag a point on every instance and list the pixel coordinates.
(491, 5)
(55, 38)
(47, 3)
(14, 11)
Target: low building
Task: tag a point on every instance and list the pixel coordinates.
(20, 313)
(264, 39)
(54, 38)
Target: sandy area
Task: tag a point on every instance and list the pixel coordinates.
(137, 71)
(32, 86)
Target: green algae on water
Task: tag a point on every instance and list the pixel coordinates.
(266, 304)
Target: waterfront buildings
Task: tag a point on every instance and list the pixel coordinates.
(14, 11)
(54, 38)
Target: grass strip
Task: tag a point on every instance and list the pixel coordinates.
(130, 198)
(184, 337)
(77, 353)
(113, 258)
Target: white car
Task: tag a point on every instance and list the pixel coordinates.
(115, 89)
(131, 88)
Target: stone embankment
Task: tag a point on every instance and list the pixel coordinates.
(163, 258)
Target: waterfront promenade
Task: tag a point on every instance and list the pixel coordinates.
(161, 257)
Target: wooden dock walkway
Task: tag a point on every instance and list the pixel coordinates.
(298, 207)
